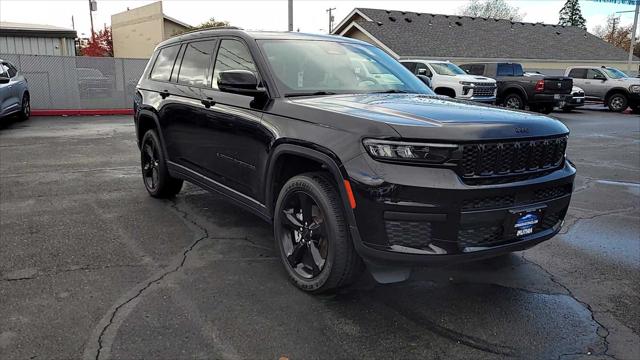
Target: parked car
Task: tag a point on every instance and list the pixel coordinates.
(613, 87)
(577, 99)
(14, 92)
(91, 82)
(349, 171)
(517, 91)
(448, 79)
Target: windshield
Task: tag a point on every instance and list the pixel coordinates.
(447, 69)
(305, 67)
(615, 73)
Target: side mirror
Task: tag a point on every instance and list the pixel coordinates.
(425, 80)
(4, 80)
(243, 82)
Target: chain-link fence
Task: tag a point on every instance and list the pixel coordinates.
(79, 82)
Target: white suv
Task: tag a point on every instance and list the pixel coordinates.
(448, 79)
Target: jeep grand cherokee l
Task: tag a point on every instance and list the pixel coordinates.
(351, 171)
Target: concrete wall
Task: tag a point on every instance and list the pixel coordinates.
(171, 29)
(37, 45)
(136, 32)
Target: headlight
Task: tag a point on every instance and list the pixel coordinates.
(406, 151)
(634, 88)
(467, 83)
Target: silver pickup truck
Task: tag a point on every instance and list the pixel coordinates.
(616, 89)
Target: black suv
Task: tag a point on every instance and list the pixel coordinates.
(517, 90)
(351, 170)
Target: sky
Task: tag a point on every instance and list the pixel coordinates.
(309, 15)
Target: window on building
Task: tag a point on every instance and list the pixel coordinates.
(578, 73)
(164, 63)
(232, 55)
(196, 62)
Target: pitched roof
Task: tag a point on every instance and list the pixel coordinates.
(411, 34)
(40, 30)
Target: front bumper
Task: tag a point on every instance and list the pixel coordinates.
(575, 102)
(419, 216)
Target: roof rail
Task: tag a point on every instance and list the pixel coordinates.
(213, 28)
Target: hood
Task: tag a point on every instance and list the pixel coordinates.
(417, 116)
(627, 81)
(474, 78)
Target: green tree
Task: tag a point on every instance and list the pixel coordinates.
(570, 15)
(211, 23)
(495, 9)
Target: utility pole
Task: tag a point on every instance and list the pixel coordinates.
(329, 10)
(290, 15)
(93, 6)
(633, 36)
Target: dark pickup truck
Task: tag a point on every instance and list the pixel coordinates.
(517, 91)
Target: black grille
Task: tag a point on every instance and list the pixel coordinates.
(411, 234)
(503, 160)
(494, 234)
(488, 202)
(551, 192)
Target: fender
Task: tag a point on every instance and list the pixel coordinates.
(319, 154)
(518, 88)
(150, 113)
(616, 90)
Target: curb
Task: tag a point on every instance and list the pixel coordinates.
(81, 112)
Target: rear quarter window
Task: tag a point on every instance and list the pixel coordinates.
(164, 63)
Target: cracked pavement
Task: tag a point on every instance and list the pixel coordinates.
(93, 268)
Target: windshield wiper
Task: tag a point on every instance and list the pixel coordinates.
(309, 93)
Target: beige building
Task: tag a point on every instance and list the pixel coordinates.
(136, 32)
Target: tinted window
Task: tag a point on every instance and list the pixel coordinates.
(232, 55)
(505, 69)
(517, 70)
(12, 70)
(477, 69)
(4, 70)
(164, 63)
(422, 69)
(410, 65)
(593, 74)
(195, 63)
(578, 73)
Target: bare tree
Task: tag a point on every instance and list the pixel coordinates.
(615, 34)
(496, 9)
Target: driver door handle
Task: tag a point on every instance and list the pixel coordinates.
(208, 102)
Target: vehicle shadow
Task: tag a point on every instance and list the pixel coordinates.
(502, 307)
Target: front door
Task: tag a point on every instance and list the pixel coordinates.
(232, 126)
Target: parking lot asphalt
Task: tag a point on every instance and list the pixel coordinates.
(92, 267)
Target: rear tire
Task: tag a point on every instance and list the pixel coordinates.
(155, 173)
(25, 109)
(618, 102)
(315, 262)
(514, 101)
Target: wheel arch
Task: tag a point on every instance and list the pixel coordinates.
(145, 120)
(314, 153)
(515, 89)
(616, 90)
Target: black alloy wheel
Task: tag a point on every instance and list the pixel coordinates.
(155, 174)
(25, 109)
(312, 234)
(304, 236)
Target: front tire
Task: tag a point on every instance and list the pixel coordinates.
(25, 109)
(155, 173)
(312, 236)
(618, 102)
